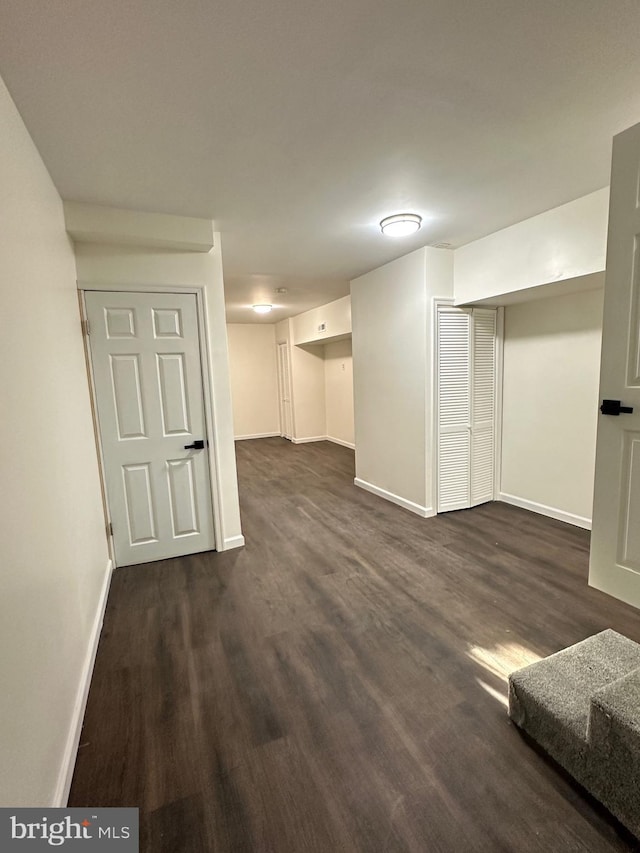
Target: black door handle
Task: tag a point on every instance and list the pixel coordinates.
(614, 407)
(197, 445)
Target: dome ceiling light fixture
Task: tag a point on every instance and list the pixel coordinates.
(401, 224)
(262, 309)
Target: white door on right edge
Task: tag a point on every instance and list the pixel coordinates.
(615, 539)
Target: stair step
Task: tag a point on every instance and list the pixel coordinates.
(582, 705)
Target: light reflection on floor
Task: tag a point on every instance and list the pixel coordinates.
(501, 697)
(501, 660)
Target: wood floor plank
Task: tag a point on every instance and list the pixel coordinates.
(339, 684)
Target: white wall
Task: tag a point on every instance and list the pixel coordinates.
(564, 243)
(89, 223)
(322, 376)
(307, 385)
(254, 379)
(550, 404)
(338, 384)
(309, 406)
(334, 316)
(282, 331)
(392, 357)
(54, 550)
(100, 264)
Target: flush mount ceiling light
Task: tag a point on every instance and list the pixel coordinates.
(262, 309)
(401, 224)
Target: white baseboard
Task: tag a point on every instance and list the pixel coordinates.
(422, 511)
(298, 440)
(550, 511)
(339, 441)
(257, 435)
(232, 542)
(324, 438)
(61, 795)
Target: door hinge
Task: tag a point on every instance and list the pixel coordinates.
(85, 328)
(110, 529)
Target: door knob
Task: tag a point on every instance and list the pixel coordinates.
(614, 407)
(197, 445)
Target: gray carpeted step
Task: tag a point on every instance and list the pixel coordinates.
(614, 743)
(582, 705)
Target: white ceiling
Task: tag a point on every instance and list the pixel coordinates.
(298, 124)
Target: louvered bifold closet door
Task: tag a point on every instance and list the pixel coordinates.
(483, 403)
(454, 409)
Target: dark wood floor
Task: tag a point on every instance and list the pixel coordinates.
(339, 683)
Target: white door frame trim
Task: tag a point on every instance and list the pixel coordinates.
(209, 408)
(287, 349)
(96, 427)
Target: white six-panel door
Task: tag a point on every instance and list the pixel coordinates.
(615, 539)
(145, 355)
